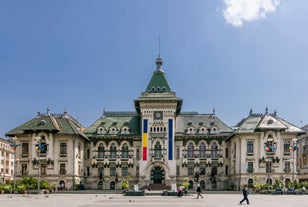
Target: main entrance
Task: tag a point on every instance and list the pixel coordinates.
(157, 175)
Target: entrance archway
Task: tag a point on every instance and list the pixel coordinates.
(61, 185)
(112, 185)
(100, 185)
(157, 175)
(202, 184)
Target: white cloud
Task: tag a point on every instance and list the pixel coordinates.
(236, 12)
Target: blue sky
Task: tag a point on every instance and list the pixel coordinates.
(86, 56)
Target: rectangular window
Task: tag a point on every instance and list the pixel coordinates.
(62, 169)
(100, 172)
(250, 167)
(112, 171)
(24, 169)
(43, 169)
(227, 170)
(249, 147)
(25, 149)
(214, 170)
(63, 149)
(202, 170)
(287, 167)
(124, 171)
(286, 147)
(190, 170)
(268, 167)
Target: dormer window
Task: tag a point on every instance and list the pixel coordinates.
(190, 130)
(153, 88)
(125, 130)
(158, 88)
(214, 129)
(202, 130)
(101, 130)
(164, 88)
(113, 130)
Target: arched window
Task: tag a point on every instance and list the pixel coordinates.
(190, 150)
(157, 150)
(214, 150)
(125, 151)
(101, 151)
(202, 150)
(113, 151)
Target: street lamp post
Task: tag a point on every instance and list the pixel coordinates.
(293, 149)
(38, 148)
(269, 148)
(14, 146)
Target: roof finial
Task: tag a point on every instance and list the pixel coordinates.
(47, 110)
(275, 112)
(266, 110)
(159, 61)
(158, 45)
(250, 111)
(213, 111)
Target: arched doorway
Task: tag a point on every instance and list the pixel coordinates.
(61, 185)
(158, 175)
(202, 184)
(112, 185)
(250, 183)
(100, 185)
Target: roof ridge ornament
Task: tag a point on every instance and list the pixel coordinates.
(266, 110)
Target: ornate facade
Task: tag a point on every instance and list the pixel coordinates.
(156, 145)
(6, 161)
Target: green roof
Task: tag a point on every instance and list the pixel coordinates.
(259, 122)
(115, 119)
(57, 123)
(158, 82)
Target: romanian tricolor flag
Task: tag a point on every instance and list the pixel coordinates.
(145, 140)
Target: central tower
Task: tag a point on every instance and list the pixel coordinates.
(158, 107)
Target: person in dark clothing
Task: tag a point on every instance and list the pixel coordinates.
(199, 192)
(180, 192)
(245, 194)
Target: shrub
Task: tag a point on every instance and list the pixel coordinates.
(125, 185)
(21, 188)
(7, 188)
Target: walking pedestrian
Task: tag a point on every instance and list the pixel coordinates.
(180, 191)
(245, 194)
(199, 192)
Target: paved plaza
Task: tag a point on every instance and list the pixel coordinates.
(112, 200)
